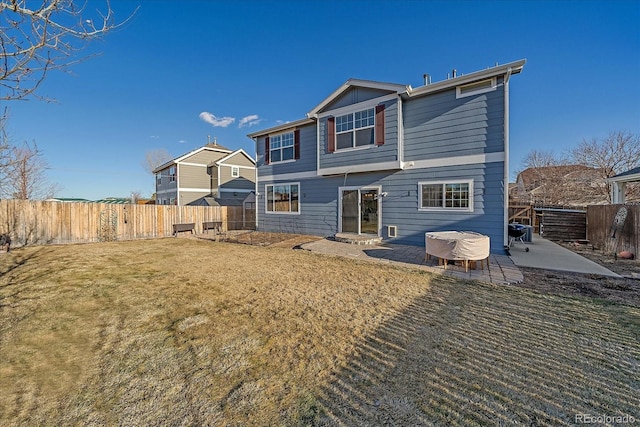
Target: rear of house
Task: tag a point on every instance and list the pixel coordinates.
(388, 160)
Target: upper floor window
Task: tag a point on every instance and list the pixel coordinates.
(158, 179)
(476, 88)
(281, 147)
(363, 128)
(235, 171)
(172, 174)
(355, 129)
(437, 195)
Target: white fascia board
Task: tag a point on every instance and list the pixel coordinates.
(367, 167)
(625, 178)
(231, 165)
(196, 151)
(202, 165)
(234, 190)
(235, 153)
(391, 87)
(164, 166)
(282, 127)
(515, 67)
(295, 176)
(195, 190)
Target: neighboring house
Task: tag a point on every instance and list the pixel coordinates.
(619, 186)
(564, 185)
(209, 171)
(67, 200)
(392, 161)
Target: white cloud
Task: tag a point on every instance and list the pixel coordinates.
(182, 141)
(251, 120)
(222, 122)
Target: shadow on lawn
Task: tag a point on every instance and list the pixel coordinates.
(15, 276)
(477, 354)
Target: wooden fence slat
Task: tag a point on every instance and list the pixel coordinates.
(34, 222)
(604, 235)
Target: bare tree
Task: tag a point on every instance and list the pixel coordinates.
(541, 159)
(540, 179)
(25, 177)
(617, 152)
(155, 158)
(36, 37)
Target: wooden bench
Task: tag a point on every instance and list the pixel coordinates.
(212, 225)
(177, 228)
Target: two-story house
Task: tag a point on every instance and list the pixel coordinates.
(209, 171)
(392, 161)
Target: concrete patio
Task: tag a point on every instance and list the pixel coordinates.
(501, 269)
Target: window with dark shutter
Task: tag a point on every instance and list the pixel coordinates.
(331, 134)
(380, 124)
(267, 148)
(296, 144)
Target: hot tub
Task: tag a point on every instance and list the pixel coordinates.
(459, 246)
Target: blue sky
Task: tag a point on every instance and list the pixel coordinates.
(273, 61)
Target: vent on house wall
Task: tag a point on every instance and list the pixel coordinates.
(392, 231)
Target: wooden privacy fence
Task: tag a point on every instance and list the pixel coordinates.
(562, 224)
(31, 222)
(604, 232)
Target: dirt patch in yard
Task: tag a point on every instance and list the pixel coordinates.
(625, 290)
(261, 238)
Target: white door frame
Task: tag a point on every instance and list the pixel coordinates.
(360, 188)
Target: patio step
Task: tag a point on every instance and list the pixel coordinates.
(358, 239)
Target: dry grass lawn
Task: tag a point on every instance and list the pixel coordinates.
(188, 332)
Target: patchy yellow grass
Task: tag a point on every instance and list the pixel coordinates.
(187, 332)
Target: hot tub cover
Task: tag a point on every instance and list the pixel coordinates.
(457, 245)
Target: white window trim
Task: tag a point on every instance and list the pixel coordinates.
(235, 172)
(354, 129)
(446, 209)
(494, 85)
(293, 147)
(158, 178)
(360, 147)
(266, 201)
(172, 178)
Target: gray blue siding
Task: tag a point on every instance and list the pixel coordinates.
(442, 126)
(319, 204)
(354, 95)
(306, 162)
(434, 126)
(372, 154)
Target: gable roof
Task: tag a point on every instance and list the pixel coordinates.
(405, 91)
(235, 153)
(208, 147)
(370, 84)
